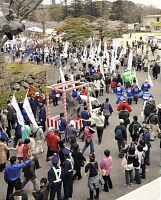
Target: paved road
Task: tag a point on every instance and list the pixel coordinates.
(80, 187)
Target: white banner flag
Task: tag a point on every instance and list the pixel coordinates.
(129, 65)
(18, 111)
(27, 107)
(149, 77)
(62, 75)
(113, 61)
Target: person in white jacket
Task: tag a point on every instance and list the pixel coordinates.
(100, 121)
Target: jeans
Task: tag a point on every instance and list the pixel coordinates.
(87, 145)
(56, 188)
(106, 121)
(129, 176)
(97, 193)
(77, 173)
(120, 144)
(11, 185)
(68, 187)
(137, 176)
(100, 134)
(34, 182)
(108, 183)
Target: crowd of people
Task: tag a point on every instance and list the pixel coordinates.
(63, 149)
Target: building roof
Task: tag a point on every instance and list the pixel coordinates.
(150, 16)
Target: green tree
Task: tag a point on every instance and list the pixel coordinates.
(91, 8)
(76, 7)
(76, 30)
(117, 10)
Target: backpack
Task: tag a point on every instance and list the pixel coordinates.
(135, 128)
(118, 134)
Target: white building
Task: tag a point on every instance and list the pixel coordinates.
(152, 22)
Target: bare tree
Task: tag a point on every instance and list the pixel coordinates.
(13, 12)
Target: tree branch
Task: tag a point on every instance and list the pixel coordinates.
(30, 10)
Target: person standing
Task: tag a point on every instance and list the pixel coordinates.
(106, 168)
(134, 129)
(97, 86)
(107, 110)
(155, 71)
(62, 126)
(153, 120)
(124, 114)
(107, 83)
(68, 167)
(100, 122)
(42, 116)
(55, 178)
(120, 136)
(12, 173)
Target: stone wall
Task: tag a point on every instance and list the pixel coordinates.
(7, 83)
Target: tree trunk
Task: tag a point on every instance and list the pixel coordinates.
(1, 56)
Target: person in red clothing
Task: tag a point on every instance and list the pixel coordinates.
(52, 138)
(84, 91)
(124, 103)
(54, 143)
(26, 149)
(48, 136)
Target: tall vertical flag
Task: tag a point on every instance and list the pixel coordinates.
(61, 75)
(27, 107)
(149, 78)
(113, 61)
(18, 111)
(129, 65)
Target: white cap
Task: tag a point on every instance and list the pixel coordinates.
(72, 122)
(121, 121)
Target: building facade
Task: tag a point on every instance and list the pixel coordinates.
(152, 22)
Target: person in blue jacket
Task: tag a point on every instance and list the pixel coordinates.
(130, 94)
(62, 126)
(42, 116)
(145, 86)
(12, 173)
(119, 90)
(4, 135)
(137, 93)
(145, 96)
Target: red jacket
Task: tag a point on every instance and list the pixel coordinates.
(128, 108)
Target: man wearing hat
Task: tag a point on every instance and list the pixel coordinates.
(55, 178)
(68, 167)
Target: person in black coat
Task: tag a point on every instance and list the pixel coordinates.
(42, 116)
(156, 71)
(78, 161)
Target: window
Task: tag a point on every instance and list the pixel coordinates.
(158, 20)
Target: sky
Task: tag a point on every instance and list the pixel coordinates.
(156, 3)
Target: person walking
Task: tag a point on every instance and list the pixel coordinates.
(124, 114)
(30, 175)
(12, 173)
(120, 136)
(42, 116)
(106, 168)
(79, 160)
(100, 122)
(4, 149)
(88, 139)
(91, 170)
(107, 110)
